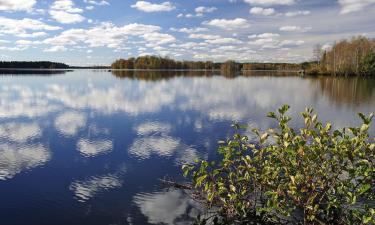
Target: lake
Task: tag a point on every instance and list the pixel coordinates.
(89, 147)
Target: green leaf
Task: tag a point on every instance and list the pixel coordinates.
(364, 188)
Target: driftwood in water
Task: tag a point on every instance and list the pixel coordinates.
(176, 185)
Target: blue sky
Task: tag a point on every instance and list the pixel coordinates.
(96, 32)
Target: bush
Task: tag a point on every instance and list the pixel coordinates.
(368, 65)
(311, 176)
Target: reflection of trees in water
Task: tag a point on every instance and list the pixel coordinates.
(24, 72)
(270, 73)
(159, 75)
(346, 90)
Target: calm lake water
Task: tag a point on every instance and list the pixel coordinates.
(89, 147)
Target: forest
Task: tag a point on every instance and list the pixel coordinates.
(32, 65)
(158, 62)
(346, 57)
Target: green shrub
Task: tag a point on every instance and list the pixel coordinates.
(368, 64)
(313, 175)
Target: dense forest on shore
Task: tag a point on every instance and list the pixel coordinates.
(32, 65)
(346, 57)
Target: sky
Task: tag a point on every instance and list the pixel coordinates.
(96, 32)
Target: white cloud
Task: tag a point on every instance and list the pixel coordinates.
(348, 6)
(158, 38)
(57, 48)
(294, 28)
(201, 10)
(204, 36)
(264, 35)
(224, 41)
(190, 30)
(262, 11)
(228, 24)
(100, 3)
(21, 27)
(66, 17)
(91, 148)
(270, 2)
(17, 5)
(297, 13)
(64, 11)
(32, 35)
(106, 35)
(69, 123)
(152, 7)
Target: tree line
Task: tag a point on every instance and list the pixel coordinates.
(32, 65)
(346, 57)
(157, 62)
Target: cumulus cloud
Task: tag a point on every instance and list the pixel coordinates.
(224, 41)
(270, 2)
(153, 7)
(262, 11)
(109, 35)
(238, 23)
(21, 27)
(17, 5)
(64, 11)
(348, 6)
(204, 36)
(158, 38)
(57, 48)
(190, 30)
(201, 10)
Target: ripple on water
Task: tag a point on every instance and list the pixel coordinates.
(169, 207)
(17, 158)
(89, 188)
(19, 132)
(91, 148)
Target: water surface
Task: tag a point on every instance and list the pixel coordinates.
(89, 147)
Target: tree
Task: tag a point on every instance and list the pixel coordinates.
(368, 64)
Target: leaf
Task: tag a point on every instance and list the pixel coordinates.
(364, 189)
(283, 109)
(264, 137)
(271, 115)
